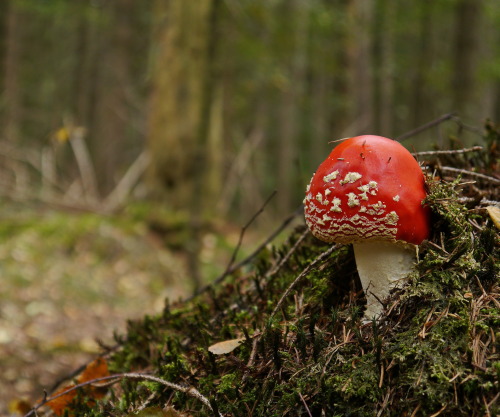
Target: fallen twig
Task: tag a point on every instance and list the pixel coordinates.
(193, 392)
(471, 173)
(285, 258)
(305, 405)
(448, 152)
(304, 273)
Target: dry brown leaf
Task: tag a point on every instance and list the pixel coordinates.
(494, 213)
(227, 346)
(94, 370)
(59, 404)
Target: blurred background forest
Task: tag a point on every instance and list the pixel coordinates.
(230, 98)
(202, 108)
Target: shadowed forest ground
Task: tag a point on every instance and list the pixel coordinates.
(70, 279)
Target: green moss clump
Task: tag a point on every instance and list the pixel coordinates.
(436, 350)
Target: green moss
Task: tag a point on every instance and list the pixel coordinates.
(435, 351)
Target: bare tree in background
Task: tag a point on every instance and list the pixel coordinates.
(466, 49)
(13, 26)
(184, 130)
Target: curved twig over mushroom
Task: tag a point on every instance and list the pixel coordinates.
(369, 192)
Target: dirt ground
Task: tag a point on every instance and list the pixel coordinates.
(66, 282)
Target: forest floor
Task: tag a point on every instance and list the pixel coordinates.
(70, 280)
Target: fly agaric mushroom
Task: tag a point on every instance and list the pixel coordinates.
(369, 192)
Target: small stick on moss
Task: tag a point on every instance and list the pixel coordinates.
(147, 402)
(193, 392)
(490, 202)
(471, 173)
(244, 229)
(416, 410)
(288, 255)
(304, 273)
(386, 402)
(449, 151)
(493, 401)
(439, 411)
(381, 379)
(305, 404)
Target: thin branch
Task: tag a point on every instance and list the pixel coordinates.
(464, 126)
(119, 194)
(243, 262)
(303, 274)
(471, 173)
(484, 201)
(305, 405)
(84, 162)
(240, 164)
(490, 202)
(288, 255)
(26, 156)
(193, 392)
(244, 229)
(426, 126)
(448, 152)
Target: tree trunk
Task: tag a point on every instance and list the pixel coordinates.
(12, 92)
(321, 91)
(4, 17)
(289, 115)
(360, 66)
(421, 97)
(184, 135)
(179, 115)
(467, 29)
(383, 68)
(113, 116)
(82, 70)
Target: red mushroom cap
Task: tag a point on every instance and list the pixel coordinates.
(369, 188)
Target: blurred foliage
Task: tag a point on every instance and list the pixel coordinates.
(291, 73)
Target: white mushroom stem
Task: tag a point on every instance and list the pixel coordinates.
(382, 266)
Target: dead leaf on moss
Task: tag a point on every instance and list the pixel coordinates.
(227, 346)
(494, 213)
(94, 370)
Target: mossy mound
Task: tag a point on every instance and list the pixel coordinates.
(435, 352)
